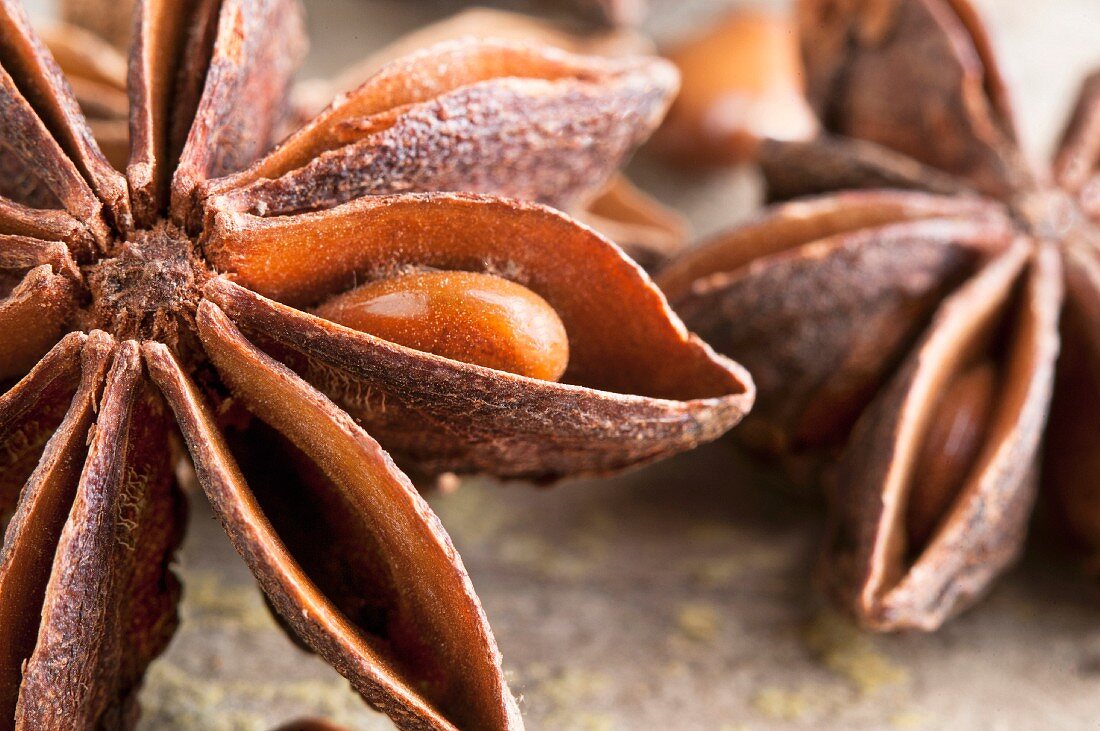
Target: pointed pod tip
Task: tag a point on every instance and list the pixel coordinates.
(100, 340)
(216, 289)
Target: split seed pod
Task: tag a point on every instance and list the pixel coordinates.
(640, 224)
(916, 328)
(180, 292)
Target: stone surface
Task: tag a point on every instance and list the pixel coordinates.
(679, 596)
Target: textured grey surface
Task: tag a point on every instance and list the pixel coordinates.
(679, 596)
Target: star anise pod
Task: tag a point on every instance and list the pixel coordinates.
(647, 230)
(223, 292)
(926, 313)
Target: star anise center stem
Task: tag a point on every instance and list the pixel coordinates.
(1048, 213)
(148, 288)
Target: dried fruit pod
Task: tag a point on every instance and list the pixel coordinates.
(646, 229)
(179, 290)
(861, 312)
(741, 82)
(637, 385)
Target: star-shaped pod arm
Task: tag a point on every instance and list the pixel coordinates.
(93, 517)
(55, 184)
(493, 116)
(951, 129)
(641, 225)
(383, 597)
(636, 385)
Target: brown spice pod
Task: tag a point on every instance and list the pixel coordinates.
(86, 452)
(647, 230)
(637, 387)
(923, 522)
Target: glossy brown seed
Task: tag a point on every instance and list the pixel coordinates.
(950, 448)
(465, 316)
(741, 81)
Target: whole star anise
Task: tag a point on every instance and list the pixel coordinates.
(220, 293)
(917, 324)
